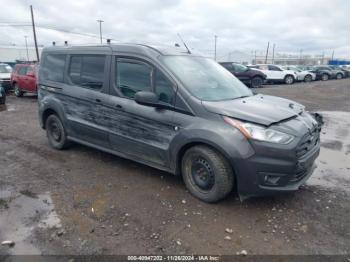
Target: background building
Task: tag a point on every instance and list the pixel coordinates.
(12, 54)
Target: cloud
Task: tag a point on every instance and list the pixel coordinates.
(315, 26)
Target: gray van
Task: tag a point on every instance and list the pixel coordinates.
(178, 112)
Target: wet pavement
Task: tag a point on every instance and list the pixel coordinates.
(83, 201)
(333, 170)
(22, 215)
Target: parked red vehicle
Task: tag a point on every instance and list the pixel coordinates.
(24, 79)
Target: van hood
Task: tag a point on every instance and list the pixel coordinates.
(261, 109)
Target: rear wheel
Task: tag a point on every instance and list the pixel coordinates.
(207, 174)
(18, 91)
(339, 76)
(257, 82)
(325, 77)
(308, 78)
(56, 132)
(289, 80)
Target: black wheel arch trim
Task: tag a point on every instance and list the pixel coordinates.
(48, 106)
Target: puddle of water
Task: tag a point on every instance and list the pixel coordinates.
(8, 108)
(22, 217)
(333, 164)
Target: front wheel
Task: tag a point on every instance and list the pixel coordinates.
(339, 76)
(289, 79)
(207, 174)
(325, 77)
(56, 132)
(257, 82)
(18, 91)
(308, 78)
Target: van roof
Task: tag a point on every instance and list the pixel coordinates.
(123, 48)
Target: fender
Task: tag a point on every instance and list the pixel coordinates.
(50, 102)
(189, 137)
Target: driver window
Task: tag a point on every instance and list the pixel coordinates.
(164, 89)
(132, 77)
(239, 68)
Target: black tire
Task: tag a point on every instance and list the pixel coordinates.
(289, 79)
(324, 77)
(56, 132)
(339, 76)
(207, 174)
(18, 91)
(256, 82)
(308, 78)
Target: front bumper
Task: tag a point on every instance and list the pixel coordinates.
(267, 175)
(276, 168)
(6, 84)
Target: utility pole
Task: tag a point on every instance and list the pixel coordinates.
(333, 55)
(34, 34)
(322, 57)
(255, 57)
(267, 52)
(25, 38)
(100, 22)
(273, 53)
(215, 39)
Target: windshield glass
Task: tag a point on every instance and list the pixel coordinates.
(5, 69)
(206, 79)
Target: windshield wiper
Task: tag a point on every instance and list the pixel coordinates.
(239, 97)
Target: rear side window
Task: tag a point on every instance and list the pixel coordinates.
(132, 77)
(53, 67)
(263, 67)
(87, 71)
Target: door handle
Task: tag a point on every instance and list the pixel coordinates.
(98, 100)
(119, 107)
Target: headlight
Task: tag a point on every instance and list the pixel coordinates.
(260, 133)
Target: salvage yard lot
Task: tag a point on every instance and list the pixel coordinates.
(83, 201)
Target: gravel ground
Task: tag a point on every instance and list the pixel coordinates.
(83, 201)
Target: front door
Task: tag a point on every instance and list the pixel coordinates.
(143, 132)
(31, 81)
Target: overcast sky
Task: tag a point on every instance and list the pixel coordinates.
(311, 25)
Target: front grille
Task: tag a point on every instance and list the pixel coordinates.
(308, 142)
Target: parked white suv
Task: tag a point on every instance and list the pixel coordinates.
(302, 75)
(5, 75)
(275, 73)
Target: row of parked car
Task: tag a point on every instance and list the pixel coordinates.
(256, 75)
(23, 78)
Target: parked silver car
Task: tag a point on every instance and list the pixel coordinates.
(302, 75)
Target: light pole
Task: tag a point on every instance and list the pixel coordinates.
(25, 38)
(215, 39)
(100, 22)
(267, 52)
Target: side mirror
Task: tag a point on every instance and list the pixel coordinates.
(146, 98)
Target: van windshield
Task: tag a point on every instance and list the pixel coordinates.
(206, 79)
(5, 69)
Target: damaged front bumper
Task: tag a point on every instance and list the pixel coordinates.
(275, 169)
